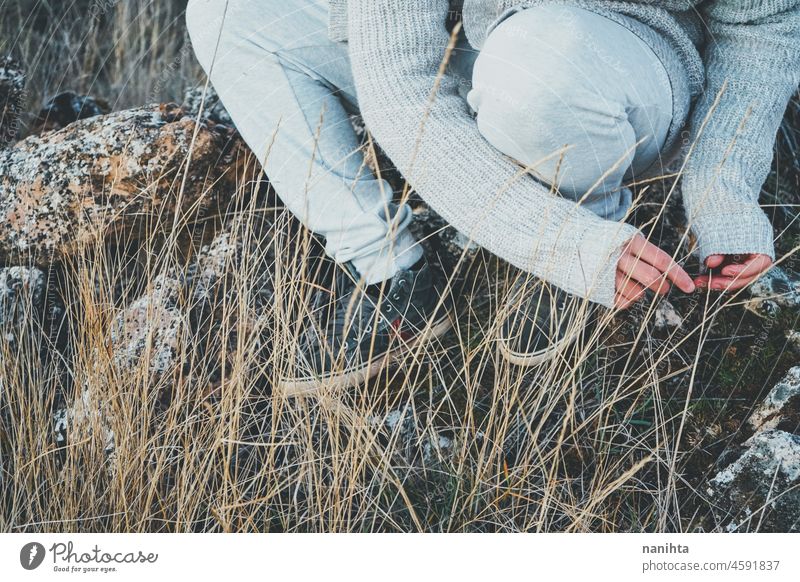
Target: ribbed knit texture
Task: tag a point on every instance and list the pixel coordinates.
(397, 47)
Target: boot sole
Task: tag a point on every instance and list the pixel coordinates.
(355, 376)
(531, 359)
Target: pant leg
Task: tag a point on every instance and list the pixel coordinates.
(283, 82)
(551, 77)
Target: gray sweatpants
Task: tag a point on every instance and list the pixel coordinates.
(576, 96)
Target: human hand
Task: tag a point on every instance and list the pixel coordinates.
(643, 265)
(733, 271)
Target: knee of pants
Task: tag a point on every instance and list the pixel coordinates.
(561, 141)
(215, 26)
(536, 104)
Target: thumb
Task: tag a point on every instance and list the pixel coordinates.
(714, 261)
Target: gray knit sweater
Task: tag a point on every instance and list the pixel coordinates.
(742, 62)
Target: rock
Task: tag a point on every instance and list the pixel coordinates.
(666, 317)
(100, 175)
(148, 336)
(442, 240)
(417, 450)
(151, 328)
(212, 265)
(775, 289)
(21, 291)
(761, 488)
(206, 98)
(193, 307)
(437, 449)
(781, 407)
(68, 107)
(760, 491)
(87, 418)
(33, 337)
(78, 417)
(400, 422)
(25, 307)
(12, 92)
(793, 339)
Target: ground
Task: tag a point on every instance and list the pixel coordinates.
(138, 361)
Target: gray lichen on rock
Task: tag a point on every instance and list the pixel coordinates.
(12, 91)
(418, 448)
(181, 306)
(204, 102)
(22, 301)
(775, 289)
(17, 283)
(98, 175)
(89, 418)
(782, 403)
(666, 316)
(761, 489)
(150, 329)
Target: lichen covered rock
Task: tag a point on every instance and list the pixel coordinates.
(80, 419)
(150, 328)
(781, 407)
(21, 289)
(760, 491)
(100, 175)
(68, 107)
(26, 310)
(204, 102)
(417, 447)
(196, 310)
(12, 87)
(774, 290)
(666, 316)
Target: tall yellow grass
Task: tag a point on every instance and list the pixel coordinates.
(600, 439)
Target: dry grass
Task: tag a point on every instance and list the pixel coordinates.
(619, 434)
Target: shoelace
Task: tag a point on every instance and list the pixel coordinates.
(351, 321)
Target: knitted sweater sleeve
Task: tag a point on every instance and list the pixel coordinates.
(752, 61)
(396, 49)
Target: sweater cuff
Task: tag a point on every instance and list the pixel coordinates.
(747, 231)
(602, 248)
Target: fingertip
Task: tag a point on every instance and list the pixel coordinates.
(721, 285)
(731, 270)
(687, 284)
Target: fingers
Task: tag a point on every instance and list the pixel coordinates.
(652, 268)
(714, 261)
(720, 283)
(643, 273)
(650, 253)
(628, 291)
(622, 303)
(736, 276)
(753, 266)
